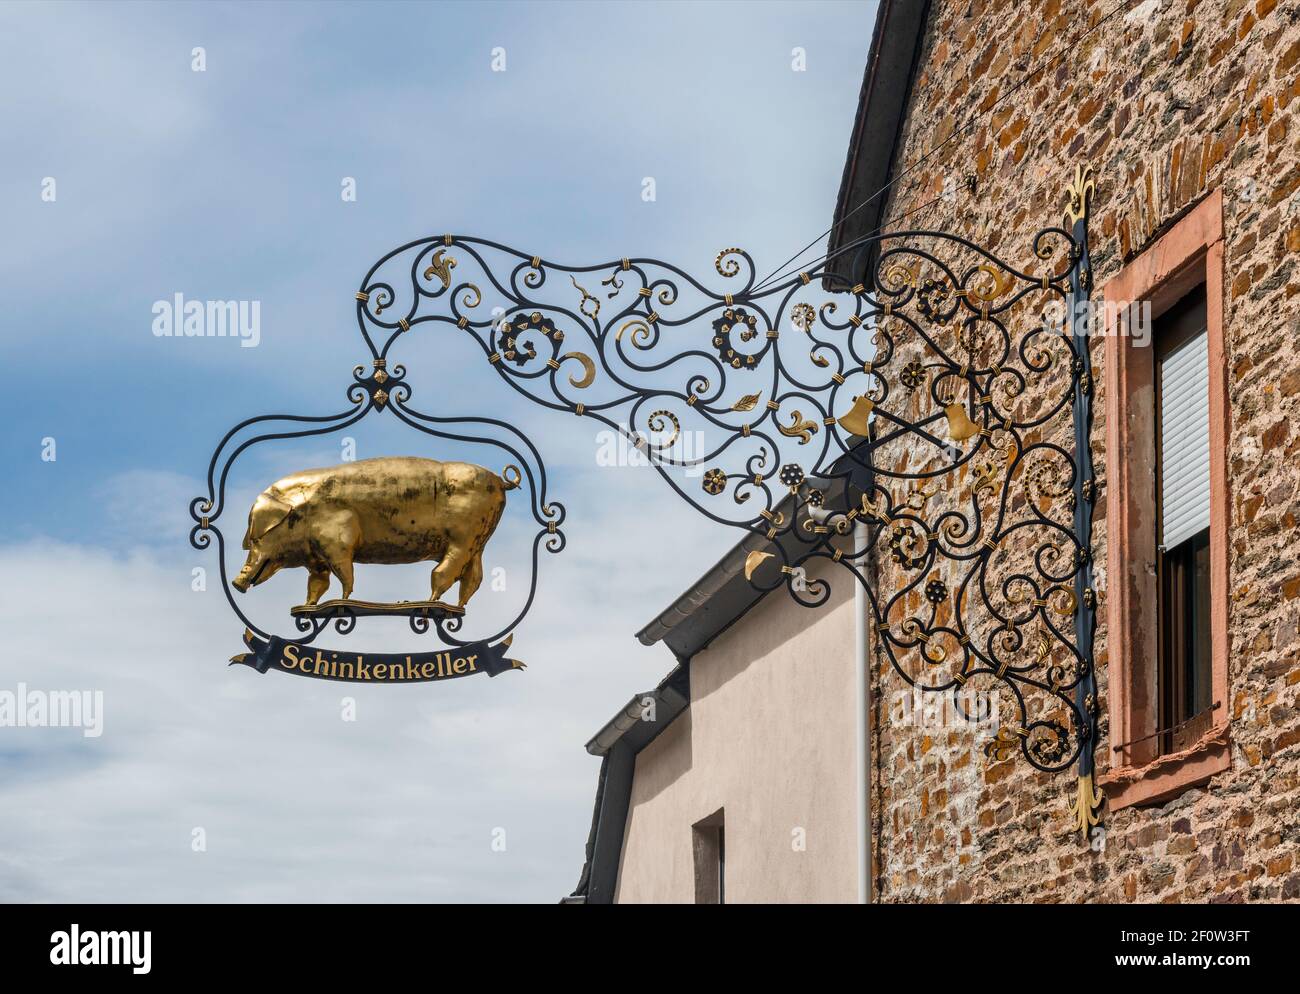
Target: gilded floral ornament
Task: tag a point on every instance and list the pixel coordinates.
(802, 316)
(714, 482)
(440, 266)
(913, 375)
(792, 475)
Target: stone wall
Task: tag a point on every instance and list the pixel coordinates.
(1165, 101)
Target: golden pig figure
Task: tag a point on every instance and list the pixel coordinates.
(395, 509)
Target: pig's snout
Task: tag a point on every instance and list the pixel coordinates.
(251, 574)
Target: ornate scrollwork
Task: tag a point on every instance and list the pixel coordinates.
(926, 415)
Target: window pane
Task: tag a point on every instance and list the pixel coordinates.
(1202, 692)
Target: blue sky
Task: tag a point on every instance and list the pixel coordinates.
(225, 184)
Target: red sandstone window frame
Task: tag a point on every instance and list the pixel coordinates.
(1189, 253)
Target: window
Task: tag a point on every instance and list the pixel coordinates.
(709, 847)
(1166, 510)
(1184, 679)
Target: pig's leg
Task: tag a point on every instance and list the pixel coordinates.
(342, 568)
(470, 579)
(447, 572)
(339, 536)
(317, 583)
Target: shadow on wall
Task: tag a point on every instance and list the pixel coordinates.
(668, 758)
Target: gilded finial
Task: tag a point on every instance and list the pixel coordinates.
(1079, 192)
(1085, 809)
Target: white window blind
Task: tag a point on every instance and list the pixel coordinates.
(1184, 441)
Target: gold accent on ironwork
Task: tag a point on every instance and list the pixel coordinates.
(375, 511)
(463, 323)
(746, 403)
(495, 357)
(1079, 192)
(1085, 809)
(537, 262)
(984, 477)
(658, 421)
(754, 560)
(999, 748)
(799, 427)
(802, 316)
(588, 369)
(1071, 602)
(773, 405)
(806, 278)
(1001, 284)
(404, 324)
(446, 239)
(858, 420)
(363, 297)
(858, 288)
(732, 267)
(579, 409)
(652, 317)
(587, 298)
(960, 427)
(640, 333)
(917, 499)
(440, 266)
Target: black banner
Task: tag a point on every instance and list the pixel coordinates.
(375, 667)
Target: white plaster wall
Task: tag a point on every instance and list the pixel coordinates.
(769, 736)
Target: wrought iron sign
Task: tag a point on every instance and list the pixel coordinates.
(926, 429)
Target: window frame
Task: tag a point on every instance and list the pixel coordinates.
(1188, 254)
(708, 841)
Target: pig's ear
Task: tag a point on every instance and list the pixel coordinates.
(269, 511)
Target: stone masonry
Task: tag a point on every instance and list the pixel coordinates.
(1166, 100)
